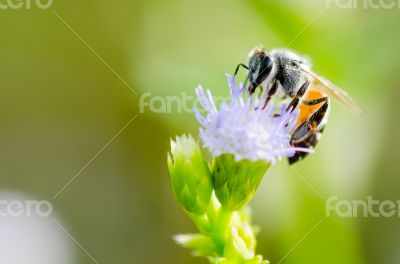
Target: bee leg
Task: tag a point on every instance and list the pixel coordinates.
(310, 126)
(308, 133)
(261, 91)
(315, 101)
(271, 93)
(303, 89)
(238, 67)
(317, 119)
(308, 143)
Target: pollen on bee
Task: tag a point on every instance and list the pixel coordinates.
(307, 110)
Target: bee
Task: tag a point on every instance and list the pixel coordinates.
(289, 75)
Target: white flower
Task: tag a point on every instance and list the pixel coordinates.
(242, 128)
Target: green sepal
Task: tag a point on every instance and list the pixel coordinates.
(235, 182)
(190, 175)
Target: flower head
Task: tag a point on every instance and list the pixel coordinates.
(242, 127)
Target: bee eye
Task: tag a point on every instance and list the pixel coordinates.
(266, 64)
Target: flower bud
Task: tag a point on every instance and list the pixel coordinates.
(235, 182)
(190, 175)
(201, 245)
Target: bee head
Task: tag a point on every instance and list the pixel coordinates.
(261, 66)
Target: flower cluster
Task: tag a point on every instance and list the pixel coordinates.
(244, 139)
(243, 128)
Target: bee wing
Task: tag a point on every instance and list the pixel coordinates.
(336, 92)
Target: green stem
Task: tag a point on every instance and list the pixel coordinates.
(221, 229)
(202, 223)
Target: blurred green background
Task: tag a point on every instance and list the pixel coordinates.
(65, 113)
